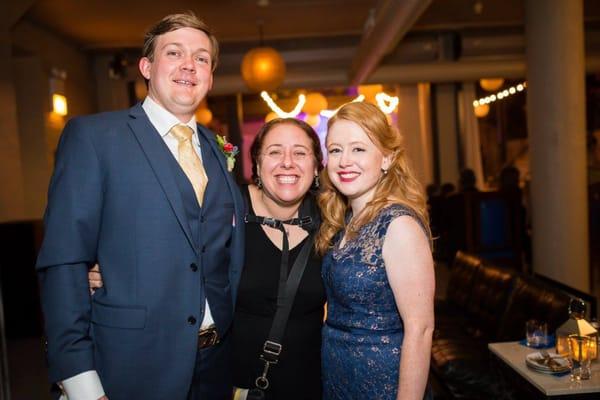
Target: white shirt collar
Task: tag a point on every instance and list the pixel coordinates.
(162, 119)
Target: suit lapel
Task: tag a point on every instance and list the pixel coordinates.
(231, 184)
(153, 147)
(214, 147)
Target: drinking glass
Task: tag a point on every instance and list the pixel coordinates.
(536, 333)
(580, 357)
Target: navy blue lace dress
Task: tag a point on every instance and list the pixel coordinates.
(362, 337)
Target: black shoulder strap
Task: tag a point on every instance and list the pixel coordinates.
(308, 219)
(289, 293)
(285, 299)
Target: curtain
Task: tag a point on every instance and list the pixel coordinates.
(470, 145)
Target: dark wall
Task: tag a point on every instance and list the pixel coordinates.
(19, 246)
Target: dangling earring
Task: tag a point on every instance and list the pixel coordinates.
(316, 183)
(385, 170)
(258, 182)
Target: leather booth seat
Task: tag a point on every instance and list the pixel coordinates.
(486, 303)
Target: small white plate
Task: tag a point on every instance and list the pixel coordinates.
(536, 361)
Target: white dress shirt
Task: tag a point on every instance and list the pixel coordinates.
(87, 385)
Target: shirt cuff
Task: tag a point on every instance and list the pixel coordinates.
(83, 386)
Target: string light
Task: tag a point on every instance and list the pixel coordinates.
(386, 103)
(331, 113)
(500, 95)
(282, 114)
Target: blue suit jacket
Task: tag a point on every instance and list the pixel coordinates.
(113, 199)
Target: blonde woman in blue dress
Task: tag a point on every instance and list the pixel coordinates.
(377, 267)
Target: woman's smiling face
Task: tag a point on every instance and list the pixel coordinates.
(286, 164)
(354, 163)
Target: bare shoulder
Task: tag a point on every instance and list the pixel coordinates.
(406, 246)
(406, 229)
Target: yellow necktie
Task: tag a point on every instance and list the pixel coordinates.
(189, 161)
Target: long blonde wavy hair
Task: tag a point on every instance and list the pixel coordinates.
(398, 185)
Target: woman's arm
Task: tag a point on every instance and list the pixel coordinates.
(409, 267)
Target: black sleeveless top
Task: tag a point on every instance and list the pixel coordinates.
(298, 373)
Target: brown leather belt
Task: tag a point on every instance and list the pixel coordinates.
(207, 337)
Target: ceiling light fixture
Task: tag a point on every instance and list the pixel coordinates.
(262, 67)
(491, 84)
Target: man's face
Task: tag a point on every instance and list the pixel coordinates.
(180, 74)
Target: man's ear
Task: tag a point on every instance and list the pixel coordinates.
(145, 65)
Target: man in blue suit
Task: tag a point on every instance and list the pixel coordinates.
(165, 224)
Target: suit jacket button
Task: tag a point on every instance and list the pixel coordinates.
(202, 219)
(204, 249)
(191, 320)
(193, 267)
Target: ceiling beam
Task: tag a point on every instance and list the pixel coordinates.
(12, 11)
(392, 20)
(435, 72)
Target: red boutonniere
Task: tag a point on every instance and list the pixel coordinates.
(229, 150)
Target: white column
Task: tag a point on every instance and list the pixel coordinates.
(469, 133)
(556, 123)
(415, 127)
(447, 135)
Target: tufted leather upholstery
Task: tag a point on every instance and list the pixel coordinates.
(488, 299)
(451, 317)
(461, 279)
(486, 303)
(532, 299)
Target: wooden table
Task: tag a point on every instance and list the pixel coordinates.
(554, 387)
